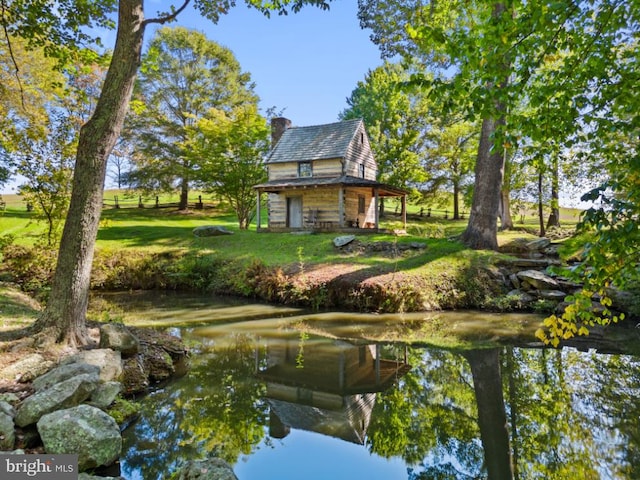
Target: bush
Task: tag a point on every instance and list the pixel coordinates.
(30, 267)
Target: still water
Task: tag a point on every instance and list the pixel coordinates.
(286, 395)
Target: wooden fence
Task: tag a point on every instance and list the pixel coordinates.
(128, 202)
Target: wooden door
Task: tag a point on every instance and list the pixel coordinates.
(294, 212)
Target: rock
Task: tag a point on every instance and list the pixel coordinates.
(10, 398)
(418, 245)
(530, 262)
(7, 408)
(66, 394)
(157, 363)
(555, 295)
(211, 231)
(134, 377)
(83, 430)
(109, 361)
(62, 373)
(117, 337)
(537, 280)
(7, 432)
(538, 244)
(343, 240)
(105, 394)
(515, 281)
(26, 369)
(208, 469)
(521, 297)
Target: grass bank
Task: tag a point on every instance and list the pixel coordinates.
(154, 248)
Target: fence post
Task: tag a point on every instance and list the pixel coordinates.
(140, 205)
(115, 201)
(446, 214)
(421, 210)
(429, 212)
(157, 201)
(199, 205)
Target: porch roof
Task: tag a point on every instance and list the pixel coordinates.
(276, 186)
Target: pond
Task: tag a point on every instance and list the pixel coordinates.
(290, 395)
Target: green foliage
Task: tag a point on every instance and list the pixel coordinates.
(30, 267)
(231, 146)
(395, 121)
(183, 78)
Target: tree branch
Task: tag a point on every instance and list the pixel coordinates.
(167, 18)
(3, 8)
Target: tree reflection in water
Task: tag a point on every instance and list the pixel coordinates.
(568, 414)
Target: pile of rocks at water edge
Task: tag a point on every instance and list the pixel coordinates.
(529, 279)
(66, 412)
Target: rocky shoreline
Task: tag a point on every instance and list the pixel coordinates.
(70, 406)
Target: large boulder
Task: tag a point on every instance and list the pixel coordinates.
(7, 431)
(109, 361)
(105, 394)
(118, 337)
(26, 369)
(134, 377)
(208, 469)
(66, 394)
(537, 280)
(62, 373)
(211, 231)
(83, 430)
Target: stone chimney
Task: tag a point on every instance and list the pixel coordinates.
(278, 127)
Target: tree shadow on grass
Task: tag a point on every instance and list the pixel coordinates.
(145, 235)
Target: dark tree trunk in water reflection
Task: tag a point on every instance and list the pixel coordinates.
(492, 418)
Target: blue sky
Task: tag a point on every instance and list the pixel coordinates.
(306, 63)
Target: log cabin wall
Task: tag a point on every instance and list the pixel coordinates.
(319, 208)
(352, 207)
(331, 167)
(359, 153)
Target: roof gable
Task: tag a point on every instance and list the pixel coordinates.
(316, 142)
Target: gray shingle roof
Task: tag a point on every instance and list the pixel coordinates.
(299, 144)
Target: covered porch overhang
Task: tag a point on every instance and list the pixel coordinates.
(378, 191)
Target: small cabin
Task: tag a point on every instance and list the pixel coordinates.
(327, 386)
(323, 177)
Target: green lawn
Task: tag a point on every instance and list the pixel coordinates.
(168, 229)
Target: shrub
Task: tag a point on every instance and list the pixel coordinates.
(30, 267)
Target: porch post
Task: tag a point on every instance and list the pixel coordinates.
(404, 211)
(341, 207)
(376, 202)
(258, 213)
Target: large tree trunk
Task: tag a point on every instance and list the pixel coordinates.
(64, 317)
(482, 230)
(492, 417)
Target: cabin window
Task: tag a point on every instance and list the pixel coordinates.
(361, 170)
(304, 169)
(360, 203)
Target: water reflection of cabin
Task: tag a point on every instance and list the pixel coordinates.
(325, 386)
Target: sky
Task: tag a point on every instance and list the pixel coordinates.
(306, 63)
